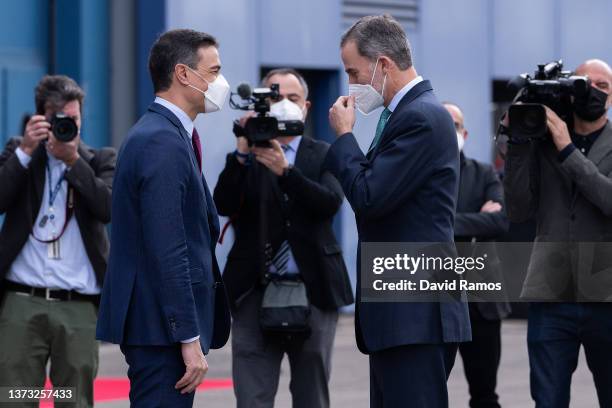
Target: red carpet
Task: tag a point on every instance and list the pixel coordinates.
(114, 389)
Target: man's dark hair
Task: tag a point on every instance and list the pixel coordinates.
(286, 71)
(375, 36)
(176, 47)
(55, 91)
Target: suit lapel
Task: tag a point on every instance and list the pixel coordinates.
(85, 153)
(302, 157)
(602, 146)
(192, 157)
(209, 205)
(37, 166)
(162, 110)
(416, 91)
(211, 213)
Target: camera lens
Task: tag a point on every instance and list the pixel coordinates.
(64, 128)
(527, 121)
(531, 121)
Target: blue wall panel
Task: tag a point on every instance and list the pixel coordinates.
(525, 33)
(455, 56)
(23, 59)
(150, 23)
(299, 33)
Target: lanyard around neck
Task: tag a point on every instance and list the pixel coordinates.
(54, 191)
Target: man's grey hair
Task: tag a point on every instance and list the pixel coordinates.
(286, 71)
(375, 36)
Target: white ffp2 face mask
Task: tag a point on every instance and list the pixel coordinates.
(367, 99)
(287, 110)
(215, 95)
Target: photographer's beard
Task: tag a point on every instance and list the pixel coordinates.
(592, 106)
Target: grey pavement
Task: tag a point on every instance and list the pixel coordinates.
(349, 384)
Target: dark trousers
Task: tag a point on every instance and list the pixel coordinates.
(411, 376)
(35, 331)
(153, 372)
(481, 360)
(256, 362)
(555, 333)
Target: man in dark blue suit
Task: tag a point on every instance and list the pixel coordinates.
(163, 299)
(403, 190)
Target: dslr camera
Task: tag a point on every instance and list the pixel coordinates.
(262, 127)
(63, 127)
(550, 86)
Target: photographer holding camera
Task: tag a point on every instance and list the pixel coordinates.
(564, 180)
(282, 205)
(56, 194)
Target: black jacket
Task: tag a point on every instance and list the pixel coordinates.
(478, 184)
(305, 220)
(571, 201)
(21, 193)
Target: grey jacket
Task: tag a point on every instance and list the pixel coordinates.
(571, 201)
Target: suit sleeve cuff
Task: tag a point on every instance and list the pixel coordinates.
(23, 157)
(191, 340)
(338, 151)
(565, 152)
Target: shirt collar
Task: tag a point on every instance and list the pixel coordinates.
(179, 113)
(402, 92)
(593, 135)
(295, 143)
(53, 161)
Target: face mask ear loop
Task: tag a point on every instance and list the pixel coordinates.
(382, 92)
(198, 74)
(374, 73)
(197, 89)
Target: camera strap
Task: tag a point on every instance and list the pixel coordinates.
(54, 191)
(69, 211)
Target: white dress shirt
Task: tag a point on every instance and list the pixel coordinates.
(179, 113)
(33, 267)
(290, 154)
(402, 92)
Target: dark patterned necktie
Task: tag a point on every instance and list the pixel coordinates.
(281, 258)
(382, 121)
(197, 147)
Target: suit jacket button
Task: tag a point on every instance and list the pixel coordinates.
(288, 223)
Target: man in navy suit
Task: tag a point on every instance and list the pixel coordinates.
(163, 299)
(403, 190)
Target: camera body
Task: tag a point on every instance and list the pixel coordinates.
(550, 86)
(63, 127)
(262, 128)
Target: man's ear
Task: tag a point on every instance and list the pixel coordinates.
(387, 64)
(180, 73)
(465, 134)
(307, 105)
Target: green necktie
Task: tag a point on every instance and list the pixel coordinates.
(384, 117)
